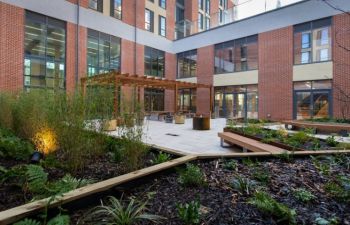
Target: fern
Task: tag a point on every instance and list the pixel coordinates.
(59, 220)
(67, 183)
(36, 179)
(28, 222)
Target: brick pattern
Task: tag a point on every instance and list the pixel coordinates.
(11, 47)
(71, 55)
(205, 71)
(128, 13)
(170, 19)
(276, 74)
(170, 73)
(341, 62)
(83, 3)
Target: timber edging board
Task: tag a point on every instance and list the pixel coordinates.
(15, 214)
(323, 126)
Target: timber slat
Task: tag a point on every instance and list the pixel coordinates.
(20, 212)
(331, 127)
(250, 144)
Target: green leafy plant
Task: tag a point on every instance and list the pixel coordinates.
(262, 176)
(119, 212)
(191, 176)
(243, 185)
(160, 158)
(303, 195)
(339, 188)
(57, 220)
(249, 162)
(270, 206)
(286, 156)
(230, 164)
(189, 212)
(36, 179)
(331, 141)
(28, 222)
(323, 167)
(14, 147)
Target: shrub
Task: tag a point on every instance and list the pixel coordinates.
(230, 164)
(286, 157)
(114, 146)
(189, 212)
(249, 162)
(160, 158)
(323, 168)
(331, 141)
(262, 176)
(191, 176)
(300, 137)
(252, 129)
(14, 147)
(243, 185)
(303, 195)
(269, 206)
(119, 212)
(339, 188)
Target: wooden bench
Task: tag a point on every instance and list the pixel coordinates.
(248, 144)
(327, 127)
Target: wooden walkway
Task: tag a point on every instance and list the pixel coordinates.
(249, 144)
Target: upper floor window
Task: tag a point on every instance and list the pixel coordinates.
(200, 21)
(96, 5)
(238, 55)
(103, 53)
(201, 4)
(312, 41)
(116, 9)
(187, 64)
(45, 52)
(207, 6)
(149, 20)
(162, 3)
(154, 62)
(162, 26)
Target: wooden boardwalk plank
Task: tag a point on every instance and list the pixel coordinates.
(20, 212)
(248, 143)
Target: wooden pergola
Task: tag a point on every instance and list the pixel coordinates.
(118, 79)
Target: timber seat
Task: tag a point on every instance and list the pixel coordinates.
(248, 144)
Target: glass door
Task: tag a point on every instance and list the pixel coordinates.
(312, 104)
(239, 106)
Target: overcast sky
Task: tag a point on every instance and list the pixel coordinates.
(248, 8)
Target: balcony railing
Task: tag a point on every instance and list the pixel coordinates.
(243, 9)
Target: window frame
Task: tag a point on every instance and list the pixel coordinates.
(160, 18)
(113, 9)
(151, 22)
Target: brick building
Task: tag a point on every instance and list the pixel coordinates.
(289, 62)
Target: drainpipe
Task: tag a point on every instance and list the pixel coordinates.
(135, 37)
(77, 47)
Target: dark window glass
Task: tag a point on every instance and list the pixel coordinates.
(162, 26)
(149, 20)
(187, 64)
(154, 62)
(116, 9)
(45, 52)
(96, 5)
(103, 53)
(312, 41)
(237, 55)
(154, 100)
(187, 100)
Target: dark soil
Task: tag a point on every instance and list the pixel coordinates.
(224, 205)
(97, 169)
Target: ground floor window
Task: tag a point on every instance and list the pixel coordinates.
(187, 100)
(154, 100)
(236, 101)
(312, 99)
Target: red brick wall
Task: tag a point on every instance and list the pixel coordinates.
(170, 19)
(71, 55)
(170, 73)
(11, 47)
(205, 71)
(191, 10)
(276, 74)
(128, 59)
(128, 13)
(83, 3)
(341, 68)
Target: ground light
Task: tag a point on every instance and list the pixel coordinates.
(45, 142)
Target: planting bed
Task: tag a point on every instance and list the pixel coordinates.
(222, 203)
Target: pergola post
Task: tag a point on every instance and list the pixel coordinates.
(175, 98)
(211, 99)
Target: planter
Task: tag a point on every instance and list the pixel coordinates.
(180, 119)
(168, 119)
(201, 123)
(110, 125)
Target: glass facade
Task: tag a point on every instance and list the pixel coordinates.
(187, 100)
(236, 101)
(45, 52)
(312, 42)
(312, 99)
(187, 64)
(154, 62)
(153, 100)
(236, 56)
(103, 53)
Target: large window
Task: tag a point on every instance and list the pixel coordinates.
(45, 52)
(238, 55)
(149, 20)
(154, 100)
(154, 62)
(187, 100)
(312, 99)
(103, 53)
(236, 101)
(162, 26)
(312, 41)
(187, 64)
(116, 9)
(96, 5)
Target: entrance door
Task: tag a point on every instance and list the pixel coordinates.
(312, 104)
(235, 105)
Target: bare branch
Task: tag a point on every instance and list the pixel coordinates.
(335, 7)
